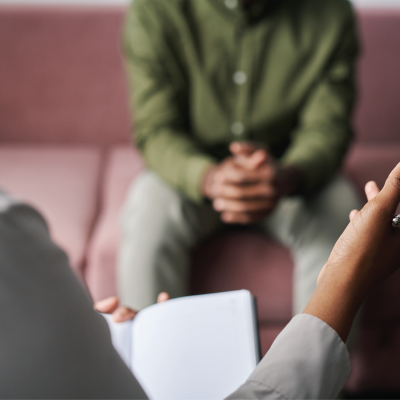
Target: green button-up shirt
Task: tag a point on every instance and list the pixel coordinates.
(205, 73)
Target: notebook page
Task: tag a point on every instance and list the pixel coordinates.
(197, 347)
(121, 337)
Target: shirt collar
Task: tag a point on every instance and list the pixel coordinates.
(257, 10)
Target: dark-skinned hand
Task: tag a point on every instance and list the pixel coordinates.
(366, 253)
(247, 186)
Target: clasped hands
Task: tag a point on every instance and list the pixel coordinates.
(246, 187)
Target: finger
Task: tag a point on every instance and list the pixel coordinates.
(371, 190)
(246, 147)
(230, 191)
(243, 206)
(234, 174)
(243, 161)
(242, 218)
(122, 314)
(353, 213)
(163, 296)
(258, 158)
(242, 148)
(390, 194)
(107, 305)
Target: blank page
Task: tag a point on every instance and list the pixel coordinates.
(197, 347)
(121, 337)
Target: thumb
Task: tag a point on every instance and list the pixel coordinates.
(242, 148)
(257, 158)
(163, 296)
(253, 161)
(390, 194)
(107, 306)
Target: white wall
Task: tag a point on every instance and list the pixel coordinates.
(358, 3)
(376, 3)
(63, 2)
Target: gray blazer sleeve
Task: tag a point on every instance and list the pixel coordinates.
(52, 343)
(308, 360)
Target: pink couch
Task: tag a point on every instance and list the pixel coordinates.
(64, 147)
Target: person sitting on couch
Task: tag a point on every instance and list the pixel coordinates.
(242, 113)
(53, 344)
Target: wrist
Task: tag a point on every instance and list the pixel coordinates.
(289, 180)
(337, 298)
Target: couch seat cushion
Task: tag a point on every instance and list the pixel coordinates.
(375, 362)
(245, 259)
(62, 184)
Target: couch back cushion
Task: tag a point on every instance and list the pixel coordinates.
(62, 77)
(378, 111)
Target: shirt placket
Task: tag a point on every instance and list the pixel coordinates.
(241, 70)
(240, 77)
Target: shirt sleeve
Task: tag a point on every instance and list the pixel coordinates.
(325, 131)
(308, 360)
(158, 98)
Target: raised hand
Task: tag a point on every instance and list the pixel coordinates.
(370, 240)
(365, 254)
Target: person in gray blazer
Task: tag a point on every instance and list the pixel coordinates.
(53, 344)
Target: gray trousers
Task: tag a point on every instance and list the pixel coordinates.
(160, 227)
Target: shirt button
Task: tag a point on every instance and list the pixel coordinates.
(237, 128)
(231, 4)
(239, 77)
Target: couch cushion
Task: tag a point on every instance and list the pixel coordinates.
(371, 162)
(62, 184)
(247, 260)
(375, 361)
(377, 117)
(61, 75)
(122, 166)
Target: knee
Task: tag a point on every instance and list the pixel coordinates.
(345, 194)
(151, 204)
(338, 199)
(330, 209)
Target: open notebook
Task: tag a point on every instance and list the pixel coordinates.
(196, 347)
